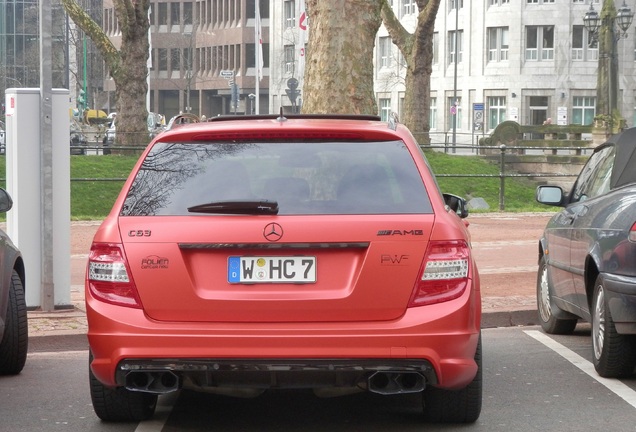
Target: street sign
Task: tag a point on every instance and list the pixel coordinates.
(227, 74)
(292, 83)
(478, 116)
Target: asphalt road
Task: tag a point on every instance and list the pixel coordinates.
(532, 382)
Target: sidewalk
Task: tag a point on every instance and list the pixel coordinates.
(508, 288)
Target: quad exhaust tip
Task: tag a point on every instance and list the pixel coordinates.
(152, 382)
(388, 383)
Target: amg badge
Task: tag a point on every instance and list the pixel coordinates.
(401, 232)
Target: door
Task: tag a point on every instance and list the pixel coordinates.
(538, 112)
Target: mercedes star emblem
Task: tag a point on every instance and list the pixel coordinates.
(273, 232)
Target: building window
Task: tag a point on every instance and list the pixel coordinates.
(454, 105)
(289, 13)
(435, 48)
(497, 44)
(250, 55)
(175, 14)
(454, 3)
(408, 7)
(455, 42)
(496, 111)
(583, 110)
(163, 59)
(540, 43)
(162, 14)
(384, 52)
(581, 49)
(385, 109)
(188, 13)
(497, 2)
(432, 116)
(289, 58)
(175, 59)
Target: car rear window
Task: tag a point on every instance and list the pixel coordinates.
(304, 178)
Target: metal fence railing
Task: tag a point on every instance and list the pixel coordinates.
(505, 172)
(503, 150)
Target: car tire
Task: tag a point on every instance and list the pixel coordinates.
(456, 406)
(545, 305)
(15, 342)
(614, 354)
(119, 404)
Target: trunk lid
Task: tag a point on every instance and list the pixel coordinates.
(365, 267)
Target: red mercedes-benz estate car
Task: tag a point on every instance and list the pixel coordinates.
(252, 253)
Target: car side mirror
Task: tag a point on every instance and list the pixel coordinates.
(549, 195)
(456, 204)
(5, 201)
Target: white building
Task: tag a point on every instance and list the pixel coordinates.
(285, 50)
(522, 60)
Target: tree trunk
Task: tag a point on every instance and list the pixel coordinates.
(127, 66)
(416, 115)
(339, 66)
(131, 85)
(607, 86)
(417, 49)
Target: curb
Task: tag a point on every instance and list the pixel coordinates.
(66, 330)
(526, 317)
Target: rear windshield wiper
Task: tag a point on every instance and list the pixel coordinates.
(237, 207)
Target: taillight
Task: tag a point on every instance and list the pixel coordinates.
(109, 277)
(632, 233)
(444, 274)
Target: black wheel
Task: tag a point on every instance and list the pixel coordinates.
(614, 354)
(118, 404)
(15, 343)
(456, 406)
(546, 307)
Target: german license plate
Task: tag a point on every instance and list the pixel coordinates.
(271, 269)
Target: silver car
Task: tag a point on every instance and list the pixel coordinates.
(13, 313)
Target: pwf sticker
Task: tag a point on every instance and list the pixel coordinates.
(154, 262)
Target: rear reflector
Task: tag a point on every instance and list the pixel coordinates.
(444, 274)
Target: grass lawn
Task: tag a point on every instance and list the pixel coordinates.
(93, 196)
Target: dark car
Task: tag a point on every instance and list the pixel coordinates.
(13, 313)
(587, 256)
(251, 253)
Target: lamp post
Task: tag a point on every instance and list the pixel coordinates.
(607, 29)
(188, 60)
(455, 75)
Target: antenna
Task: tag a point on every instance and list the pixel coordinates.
(281, 117)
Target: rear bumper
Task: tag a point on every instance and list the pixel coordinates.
(384, 376)
(621, 298)
(437, 341)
